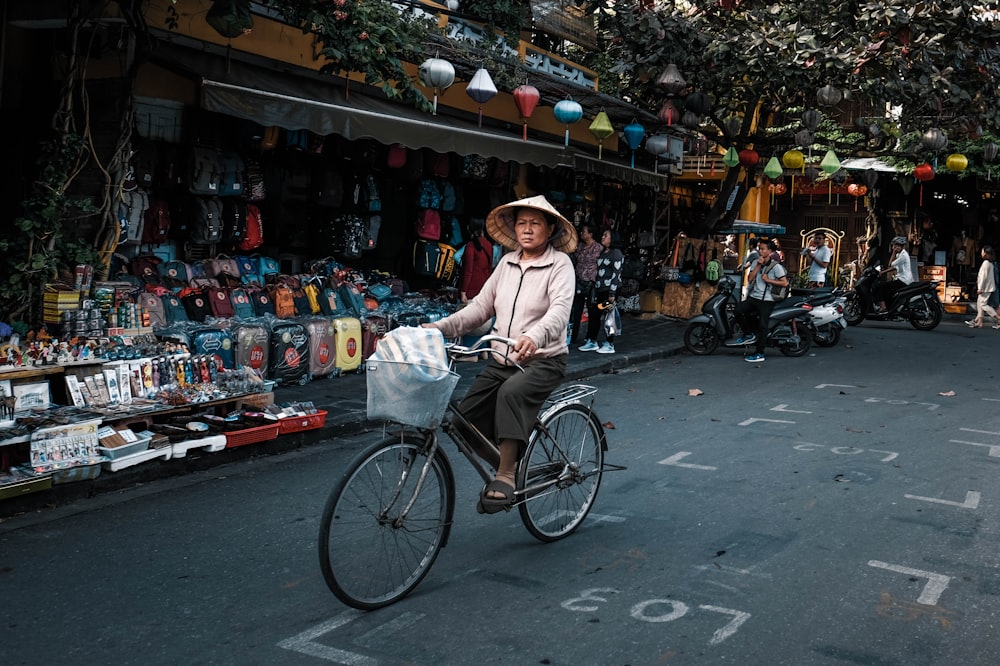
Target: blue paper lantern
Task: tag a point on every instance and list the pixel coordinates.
(567, 112)
(634, 133)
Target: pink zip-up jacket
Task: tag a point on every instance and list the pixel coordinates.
(531, 298)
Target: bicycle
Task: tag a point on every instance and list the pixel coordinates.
(391, 512)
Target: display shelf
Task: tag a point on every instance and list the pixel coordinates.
(137, 458)
(24, 485)
(211, 444)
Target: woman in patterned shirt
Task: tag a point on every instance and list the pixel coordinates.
(606, 283)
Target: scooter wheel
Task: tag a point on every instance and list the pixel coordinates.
(853, 312)
(701, 339)
(828, 336)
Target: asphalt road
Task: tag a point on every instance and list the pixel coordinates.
(840, 508)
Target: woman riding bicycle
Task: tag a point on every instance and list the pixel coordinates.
(530, 293)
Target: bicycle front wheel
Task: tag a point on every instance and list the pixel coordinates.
(370, 553)
(566, 456)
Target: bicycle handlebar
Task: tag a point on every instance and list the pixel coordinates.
(456, 350)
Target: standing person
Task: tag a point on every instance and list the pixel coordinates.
(477, 261)
(530, 294)
(986, 286)
(819, 254)
(609, 278)
(754, 312)
(899, 269)
(585, 263)
(778, 251)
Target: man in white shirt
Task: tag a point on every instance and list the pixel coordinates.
(819, 258)
(899, 269)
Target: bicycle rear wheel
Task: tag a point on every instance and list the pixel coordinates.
(569, 452)
(370, 555)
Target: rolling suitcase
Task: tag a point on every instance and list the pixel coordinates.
(215, 342)
(288, 360)
(322, 359)
(373, 328)
(251, 345)
(347, 333)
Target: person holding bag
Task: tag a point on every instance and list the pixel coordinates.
(755, 311)
(585, 265)
(606, 284)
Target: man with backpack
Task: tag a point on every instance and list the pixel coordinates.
(754, 312)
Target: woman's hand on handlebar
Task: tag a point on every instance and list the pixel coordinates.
(524, 347)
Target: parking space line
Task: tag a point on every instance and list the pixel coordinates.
(936, 583)
(673, 460)
(994, 448)
(971, 500)
(755, 420)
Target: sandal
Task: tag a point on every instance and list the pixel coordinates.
(487, 504)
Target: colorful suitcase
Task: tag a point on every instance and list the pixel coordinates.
(347, 333)
(322, 344)
(288, 361)
(373, 328)
(251, 344)
(214, 342)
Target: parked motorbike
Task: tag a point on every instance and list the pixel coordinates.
(916, 303)
(827, 315)
(788, 327)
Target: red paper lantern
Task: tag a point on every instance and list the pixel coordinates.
(748, 158)
(526, 98)
(668, 113)
(923, 172)
(780, 188)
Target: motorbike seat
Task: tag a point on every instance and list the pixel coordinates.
(913, 287)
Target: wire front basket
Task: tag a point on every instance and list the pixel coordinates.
(408, 393)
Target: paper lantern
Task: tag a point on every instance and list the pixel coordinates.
(870, 178)
(828, 95)
(780, 188)
(668, 113)
(698, 103)
(657, 145)
(567, 112)
(804, 138)
(733, 124)
(731, 158)
(811, 119)
(748, 158)
(526, 98)
(601, 129)
(923, 172)
(905, 184)
(671, 80)
(811, 173)
(990, 151)
(773, 168)
(830, 163)
(634, 133)
(438, 74)
(957, 162)
(691, 120)
(934, 139)
(793, 159)
(481, 89)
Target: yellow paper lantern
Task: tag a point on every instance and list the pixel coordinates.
(957, 162)
(794, 159)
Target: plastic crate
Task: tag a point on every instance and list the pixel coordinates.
(252, 435)
(300, 423)
(113, 453)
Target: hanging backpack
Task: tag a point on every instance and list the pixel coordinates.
(396, 157)
(713, 269)
(206, 171)
(371, 192)
(206, 227)
(233, 175)
(156, 223)
(429, 225)
(234, 221)
(254, 233)
(447, 197)
(253, 183)
(132, 214)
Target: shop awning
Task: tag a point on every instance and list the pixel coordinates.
(621, 172)
(294, 106)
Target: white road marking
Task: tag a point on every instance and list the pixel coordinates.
(677, 610)
(971, 500)
(379, 635)
(821, 386)
(982, 432)
(781, 408)
(305, 642)
(936, 583)
(739, 617)
(755, 420)
(994, 448)
(672, 460)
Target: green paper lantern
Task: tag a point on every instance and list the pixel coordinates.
(830, 163)
(773, 168)
(731, 158)
(601, 128)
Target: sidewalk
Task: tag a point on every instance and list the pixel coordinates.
(344, 398)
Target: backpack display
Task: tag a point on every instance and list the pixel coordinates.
(713, 269)
(197, 306)
(283, 300)
(242, 307)
(206, 171)
(352, 299)
(231, 183)
(261, 301)
(153, 306)
(132, 215)
(268, 267)
(174, 274)
(254, 235)
(253, 184)
(206, 227)
(156, 223)
(219, 302)
(249, 271)
(429, 225)
(234, 221)
(432, 259)
(173, 309)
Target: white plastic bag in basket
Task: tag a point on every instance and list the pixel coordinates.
(413, 344)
